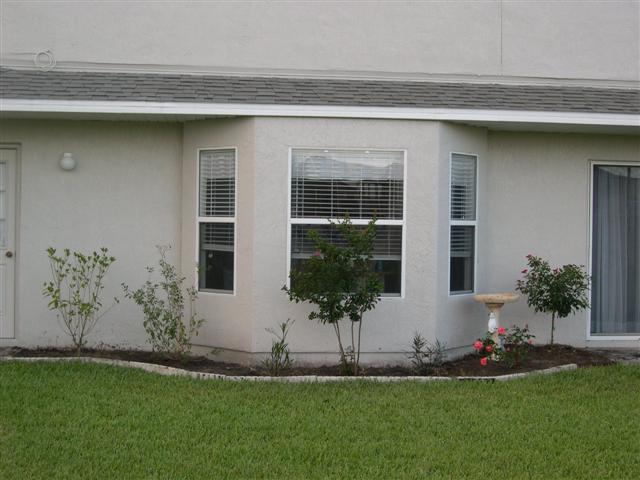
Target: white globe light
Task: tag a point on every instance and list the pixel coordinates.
(67, 162)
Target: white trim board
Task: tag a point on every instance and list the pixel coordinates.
(450, 114)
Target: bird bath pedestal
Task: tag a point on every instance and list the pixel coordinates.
(494, 302)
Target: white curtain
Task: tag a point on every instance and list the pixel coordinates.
(615, 302)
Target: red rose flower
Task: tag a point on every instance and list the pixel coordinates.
(501, 330)
(489, 348)
(483, 361)
(477, 345)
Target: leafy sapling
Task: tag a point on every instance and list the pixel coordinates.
(75, 291)
(559, 292)
(339, 280)
(169, 328)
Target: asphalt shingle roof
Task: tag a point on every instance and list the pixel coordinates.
(58, 85)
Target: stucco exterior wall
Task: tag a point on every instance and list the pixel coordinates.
(585, 39)
(387, 330)
(228, 316)
(460, 318)
(537, 201)
(125, 194)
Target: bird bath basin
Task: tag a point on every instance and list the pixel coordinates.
(494, 302)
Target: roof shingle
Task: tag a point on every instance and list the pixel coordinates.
(30, 84)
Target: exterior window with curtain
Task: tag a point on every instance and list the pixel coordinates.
(327, 184)
(615, 250)
(462, 223)
(216, 220)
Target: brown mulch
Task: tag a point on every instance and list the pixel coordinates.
(540, 357)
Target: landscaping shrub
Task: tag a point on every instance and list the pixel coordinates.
(426, 357)
(74, 291)
(510, 349)
(558, 292)
(163, 305)
(279, 359)
(341, 283)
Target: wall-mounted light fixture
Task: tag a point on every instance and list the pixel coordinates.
(67, 162)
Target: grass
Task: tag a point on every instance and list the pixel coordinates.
(72, 420)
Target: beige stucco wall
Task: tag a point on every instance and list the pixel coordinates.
(459, 317)
(124, 194)
(582, 39)
(537, 201)
(228, 316)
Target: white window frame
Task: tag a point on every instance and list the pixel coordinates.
(200, 219)
(462, 223)
(324, 221)
(592, 166)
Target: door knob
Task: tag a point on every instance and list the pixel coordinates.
(9, 254)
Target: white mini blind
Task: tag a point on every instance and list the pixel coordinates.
(387, 244)
(360, 183)
(462, 239)
(217, 236)
(463, 187)
(217, 183)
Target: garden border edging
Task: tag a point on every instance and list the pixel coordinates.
(172, 371)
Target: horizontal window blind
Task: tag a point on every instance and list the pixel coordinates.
(387, 245)
(217, 183)
(217, 236)
(463, 187)
(334, 183)
(462, 240)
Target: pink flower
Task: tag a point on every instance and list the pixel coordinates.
(477, 345)
(531, 341)
(317, 253)
(501, 330)
(483, 361)
(524, 271)
(489, 348)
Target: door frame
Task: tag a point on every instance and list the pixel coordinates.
(592, 167)
(7, 341)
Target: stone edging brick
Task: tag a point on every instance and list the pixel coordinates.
(171, 371)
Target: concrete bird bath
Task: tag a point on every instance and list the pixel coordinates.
(494, 302)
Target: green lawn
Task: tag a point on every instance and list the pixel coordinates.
(71, 420)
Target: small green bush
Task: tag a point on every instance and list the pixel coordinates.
(426, 357)
(163, 305)
(341, 283)
(279, 359)
(558, 292)
(75, 290)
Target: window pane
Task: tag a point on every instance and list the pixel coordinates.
(615, 289)
(463, 187)
(461, 259)
(360, 183)
(217, 183)
(216, 256)
(387, 251)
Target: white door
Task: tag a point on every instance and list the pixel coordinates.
(8, 157)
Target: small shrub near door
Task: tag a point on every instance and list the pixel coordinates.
(169, 328)
(75, 290)
(558, 292)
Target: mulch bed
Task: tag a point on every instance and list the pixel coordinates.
(540, 357)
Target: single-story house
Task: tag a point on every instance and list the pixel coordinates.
(465, 180)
